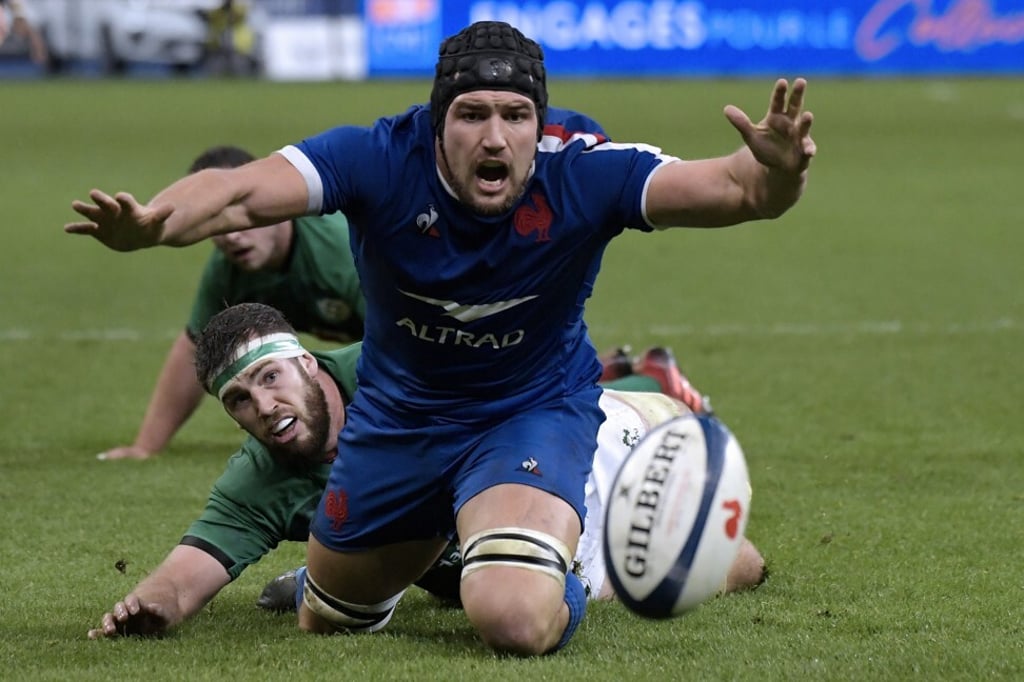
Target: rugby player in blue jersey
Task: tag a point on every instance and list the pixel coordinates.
(292, 409)
(303, 267)
(477, 410)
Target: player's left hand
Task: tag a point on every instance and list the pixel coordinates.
(120, 222)
(781, 140)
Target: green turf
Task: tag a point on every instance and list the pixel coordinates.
(866, 349)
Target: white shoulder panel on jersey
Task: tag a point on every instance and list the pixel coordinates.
(555, 143)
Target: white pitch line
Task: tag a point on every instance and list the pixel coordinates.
(861, 328)
(21, 334)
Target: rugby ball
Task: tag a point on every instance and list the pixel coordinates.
(676, 516)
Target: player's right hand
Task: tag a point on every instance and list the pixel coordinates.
(119, 222)
(125, 452)
(131, 617)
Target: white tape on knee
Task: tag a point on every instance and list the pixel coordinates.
(345, 616)
(519, 547)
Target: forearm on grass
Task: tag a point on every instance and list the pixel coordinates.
(183, 583)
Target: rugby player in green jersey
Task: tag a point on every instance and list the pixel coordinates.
(292, 404)
(302, 267)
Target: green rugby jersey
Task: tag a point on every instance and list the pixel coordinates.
(257, 502)
(317, 291)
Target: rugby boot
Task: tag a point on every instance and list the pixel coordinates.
(616, 364)
(279, 595)
(659, 364)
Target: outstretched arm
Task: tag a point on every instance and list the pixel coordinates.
(175, 397)
(177, 589)
(200, 205)
(761, 180)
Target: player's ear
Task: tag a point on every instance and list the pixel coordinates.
(309, 363)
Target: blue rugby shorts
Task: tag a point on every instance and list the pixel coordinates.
(394, 482)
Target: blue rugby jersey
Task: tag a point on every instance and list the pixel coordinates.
(468, 315)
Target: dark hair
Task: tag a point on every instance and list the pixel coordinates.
(224, 156)
(227, 330)
(488, 55)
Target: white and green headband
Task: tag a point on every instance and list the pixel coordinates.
(282, 345)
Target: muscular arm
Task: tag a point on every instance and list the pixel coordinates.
(761, 180)
(176, 590)
(219, 200)
(720, 192)
(199, 205)
(175, 397)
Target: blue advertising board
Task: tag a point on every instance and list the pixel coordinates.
(725, 37)
(402, 36)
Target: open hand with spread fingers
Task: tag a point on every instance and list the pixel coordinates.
(119, 222)
(782, 139)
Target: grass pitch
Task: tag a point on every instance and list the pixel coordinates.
(866, 349)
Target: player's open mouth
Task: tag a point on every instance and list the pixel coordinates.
(491, 174)
(282, 426)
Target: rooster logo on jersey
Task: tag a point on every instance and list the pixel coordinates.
(534, 215)
(425, 222)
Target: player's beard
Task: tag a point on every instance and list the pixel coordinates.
(466, 197)
(486, 210)
(313, 450)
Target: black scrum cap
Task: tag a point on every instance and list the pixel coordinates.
(488, 55)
